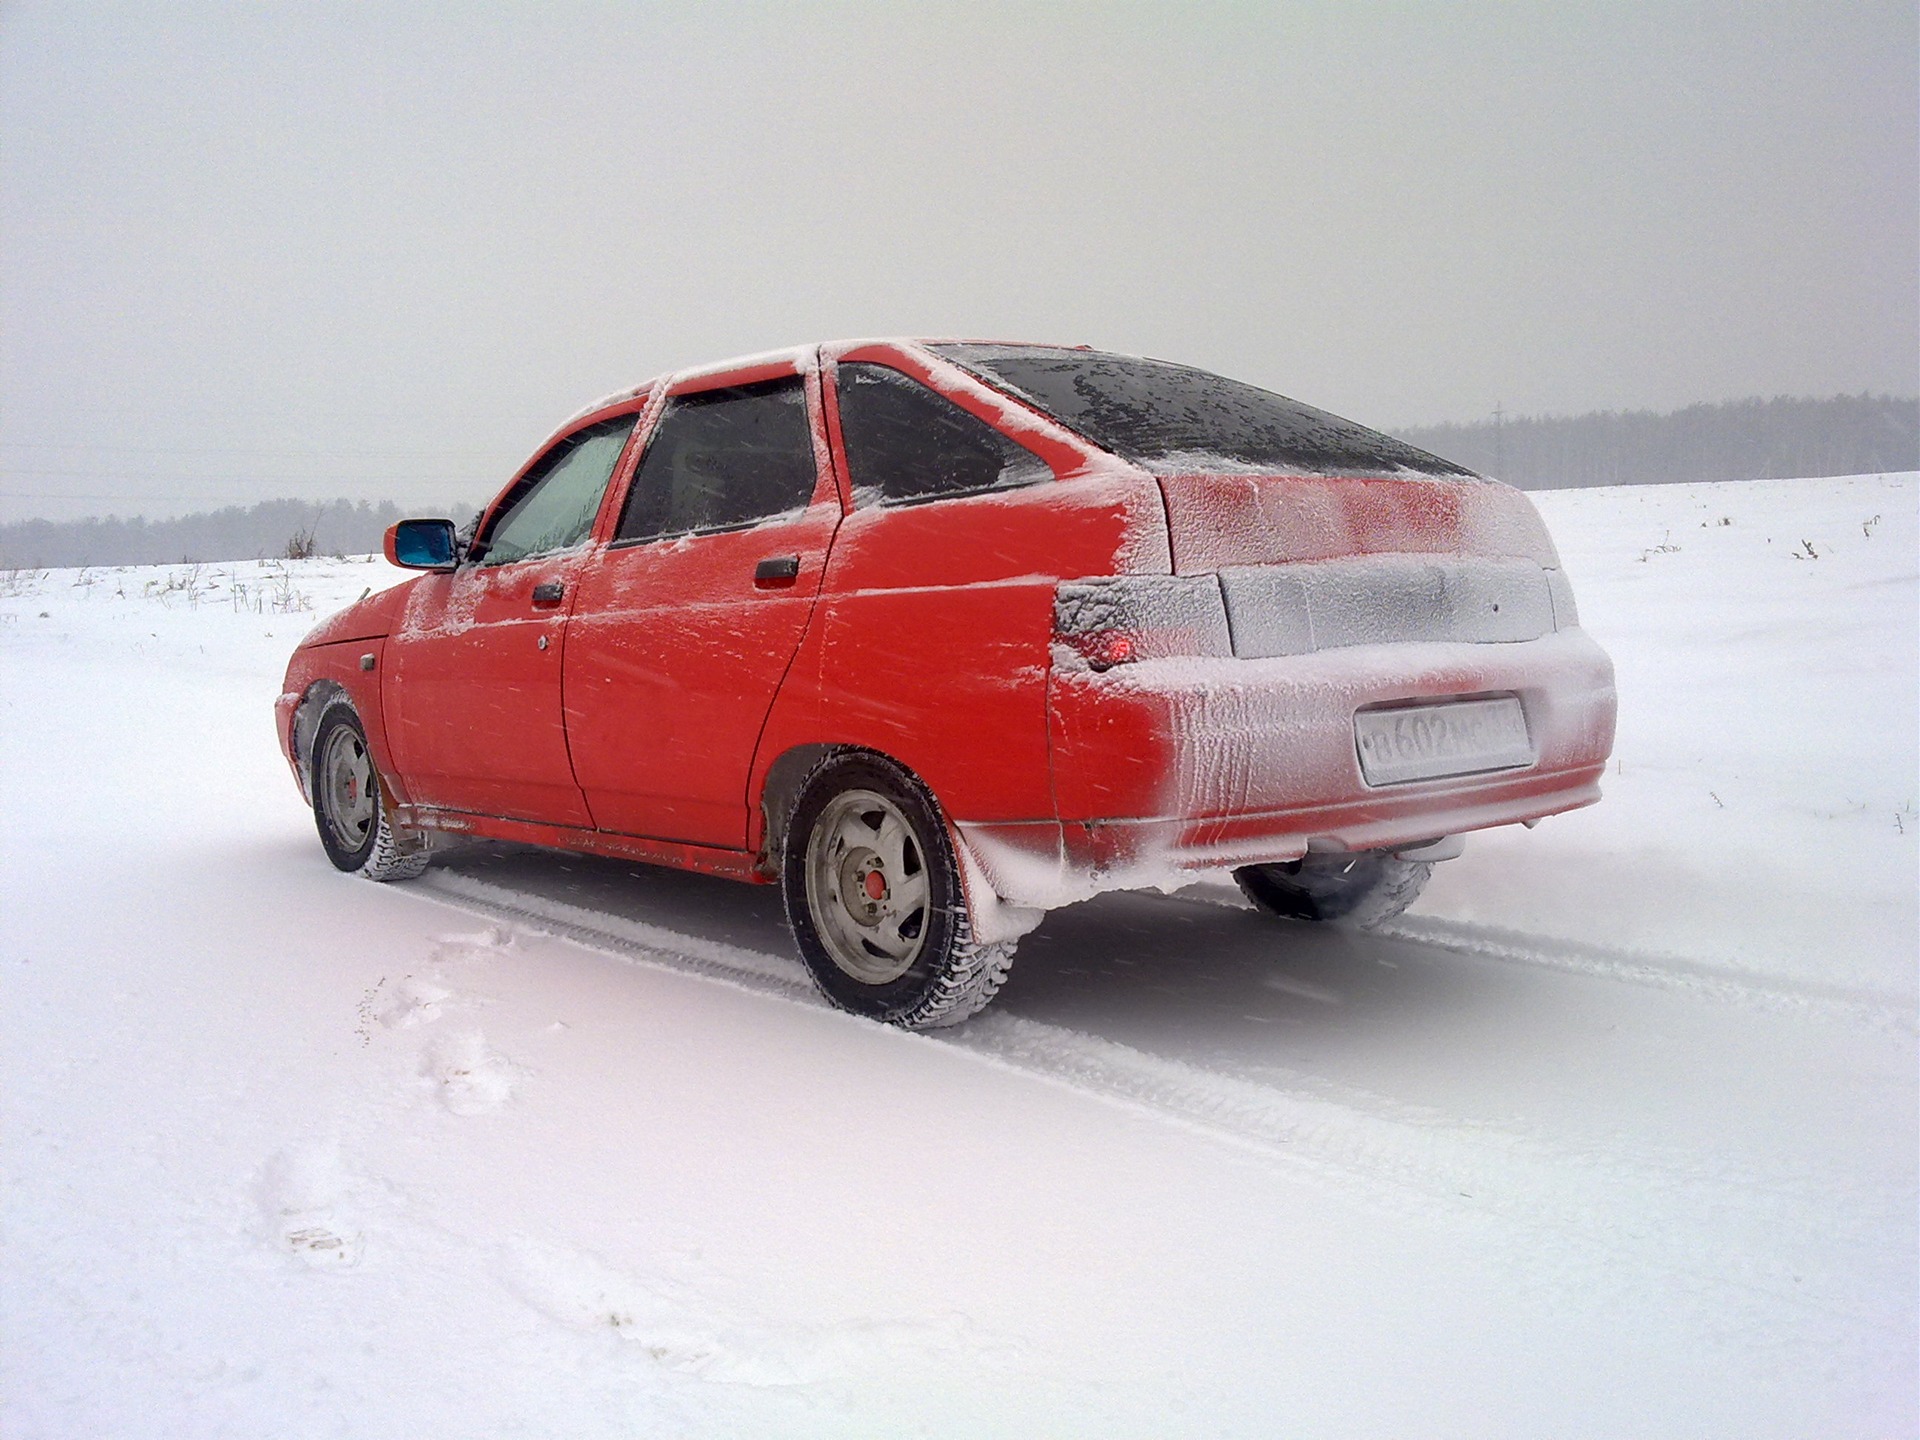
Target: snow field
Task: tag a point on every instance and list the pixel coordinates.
(1760, 814)
(1614, 1134)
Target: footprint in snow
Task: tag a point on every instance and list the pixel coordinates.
(470, 1076)
(411, 1002)
(306, 1198)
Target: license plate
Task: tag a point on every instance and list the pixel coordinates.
(1430, 742)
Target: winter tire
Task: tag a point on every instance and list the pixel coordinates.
(350, 804)
(874, 897)
(1360, 888)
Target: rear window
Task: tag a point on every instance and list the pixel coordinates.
(1172, 417)
(905, 443)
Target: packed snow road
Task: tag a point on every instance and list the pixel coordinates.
(1613, 1134)
(1696, 1111)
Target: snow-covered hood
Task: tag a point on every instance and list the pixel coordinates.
(372, 617)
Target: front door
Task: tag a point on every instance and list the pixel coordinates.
(686, 624)
(472, 692)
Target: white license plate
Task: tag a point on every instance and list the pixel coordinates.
(1428, 742)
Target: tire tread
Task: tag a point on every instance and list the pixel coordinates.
(396, 853)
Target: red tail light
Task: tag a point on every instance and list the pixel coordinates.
(1118, 620)
(1104, 649)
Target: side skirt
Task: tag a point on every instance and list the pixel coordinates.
(704, 859)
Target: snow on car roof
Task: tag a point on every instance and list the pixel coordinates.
(1213, 423)
(796, 355)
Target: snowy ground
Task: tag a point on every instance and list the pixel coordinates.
(1614, 1134)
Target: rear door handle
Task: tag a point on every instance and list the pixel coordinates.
(777, 570)
(548, 593)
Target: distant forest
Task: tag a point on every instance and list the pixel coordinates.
(271, 528)
(1738, 440)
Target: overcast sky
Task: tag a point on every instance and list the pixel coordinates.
(251, 251)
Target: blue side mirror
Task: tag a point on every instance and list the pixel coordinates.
(421, 545)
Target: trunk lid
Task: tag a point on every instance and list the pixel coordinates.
(1216, 520)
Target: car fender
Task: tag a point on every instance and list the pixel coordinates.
(315, 677)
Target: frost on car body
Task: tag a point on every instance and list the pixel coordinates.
(939, 636)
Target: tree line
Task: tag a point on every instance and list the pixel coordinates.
(1754, 439)
(272, 528)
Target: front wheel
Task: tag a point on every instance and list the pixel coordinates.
(874, 897)
(350, 805)
(1360, 888)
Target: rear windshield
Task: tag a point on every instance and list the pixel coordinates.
(1173, 417)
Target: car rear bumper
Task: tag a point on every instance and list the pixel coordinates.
(1170, 766)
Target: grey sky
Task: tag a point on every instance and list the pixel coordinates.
(312, 250)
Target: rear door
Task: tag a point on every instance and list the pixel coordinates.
(686, 624)
(936, 618)
(472, 691)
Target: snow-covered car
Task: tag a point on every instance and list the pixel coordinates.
(939, 635)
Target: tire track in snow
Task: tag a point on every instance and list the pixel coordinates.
(1715, 1223)
(1864, 1009)
(1722, 984)
(1718, 1224)
(746, 969)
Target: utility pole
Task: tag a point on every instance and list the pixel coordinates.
(1499, 446)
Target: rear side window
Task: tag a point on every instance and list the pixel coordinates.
(558, 498)
(1170, 417)
(904, 442)
(723, 459)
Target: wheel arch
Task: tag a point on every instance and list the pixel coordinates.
(780, 790)
(787, 776)
(968, 966)
(306, 725)
(320, 675)
(994, 919)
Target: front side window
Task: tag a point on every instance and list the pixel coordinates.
(1171, 417)
(557, 499)
(722, 460)
(906, 442)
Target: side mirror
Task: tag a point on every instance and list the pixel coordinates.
(421, 545)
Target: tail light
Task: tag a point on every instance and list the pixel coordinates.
(1119, 619)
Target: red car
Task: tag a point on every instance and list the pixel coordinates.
(940, 635)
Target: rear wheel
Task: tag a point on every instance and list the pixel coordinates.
(874, 897)
(1359, 888)
(350, 804)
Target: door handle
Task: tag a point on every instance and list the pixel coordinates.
(777, 570)
(548, 593)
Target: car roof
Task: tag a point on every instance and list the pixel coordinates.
(797, 355)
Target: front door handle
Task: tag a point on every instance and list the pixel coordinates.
(548, 593)
(777, 570)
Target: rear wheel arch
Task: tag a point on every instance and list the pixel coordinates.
(930, 969)
(787, 778)
(779, 790)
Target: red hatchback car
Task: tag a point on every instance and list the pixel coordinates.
(940, 635)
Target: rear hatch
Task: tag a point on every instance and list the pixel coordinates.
(1316, 562)
(1319, 532)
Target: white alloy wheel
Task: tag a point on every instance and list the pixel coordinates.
(867, 886)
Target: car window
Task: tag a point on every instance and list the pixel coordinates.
(1169, 417)
(906, 442)
(558, 498)
(723, 459)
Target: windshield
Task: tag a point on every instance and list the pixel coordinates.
(1172, 417)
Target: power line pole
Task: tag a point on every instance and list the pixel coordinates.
(1499, 439)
